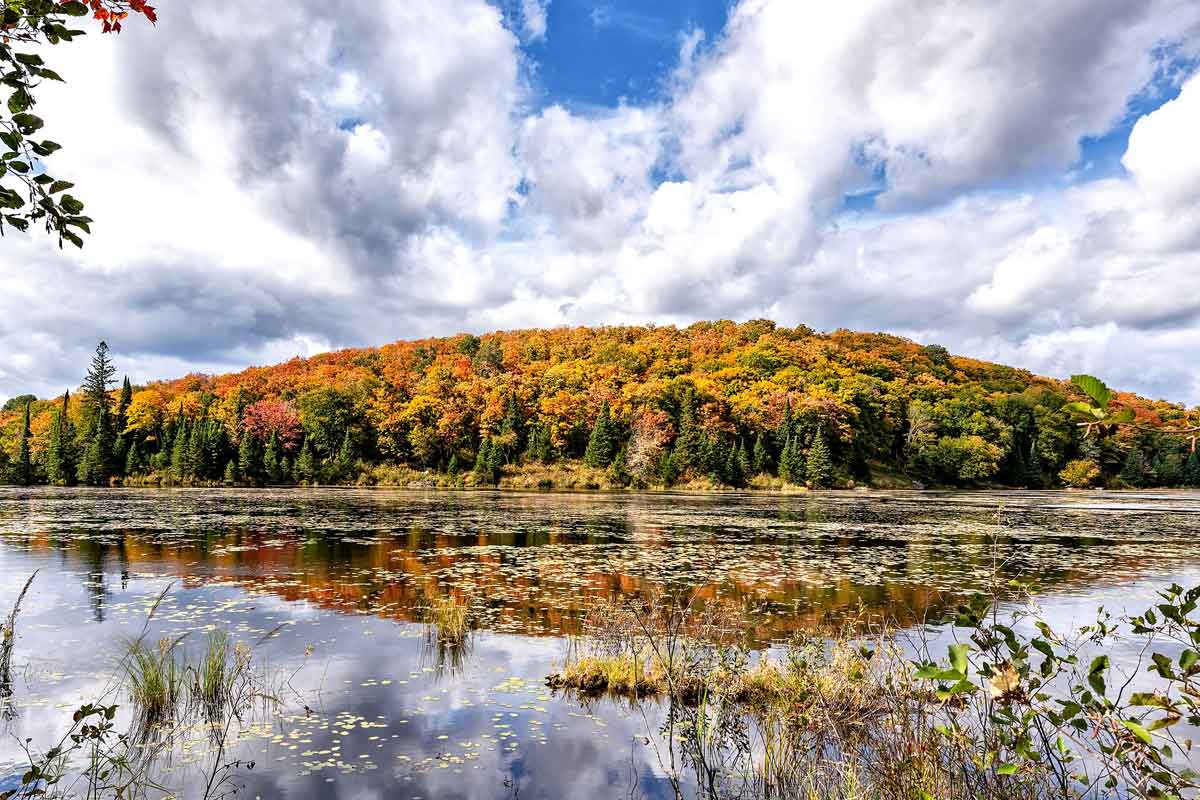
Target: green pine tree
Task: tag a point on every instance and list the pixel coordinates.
(733, 474)
(306, 467)
(452, 468)
(133, 459)
(618, 470)
(249, 460)
(1191, 470)
(819, 468)
(96, 385)
(273, 459)
(602, 445)
(122, 419)
(60, 449)
(744, 465)
(792, 466)
(785, 431)
(180, 448)
(23, 468)
(230, 472)
(95, 468)
(689, 443)
(1133, 471)
(761, 460)
(345, 457)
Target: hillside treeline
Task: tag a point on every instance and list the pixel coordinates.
(713, 403)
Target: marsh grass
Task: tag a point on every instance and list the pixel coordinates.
(155, 677)
(8, 641)
(449, 621)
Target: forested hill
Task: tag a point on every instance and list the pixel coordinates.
(713, 403)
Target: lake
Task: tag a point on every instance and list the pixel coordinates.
(336, 580)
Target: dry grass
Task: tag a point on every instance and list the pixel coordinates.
(450, 620)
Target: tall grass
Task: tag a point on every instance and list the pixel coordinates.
(8, 641)
(450, 619)
(155, 678)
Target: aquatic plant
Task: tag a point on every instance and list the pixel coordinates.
(8, 641)
(155, 680)
(450, 620)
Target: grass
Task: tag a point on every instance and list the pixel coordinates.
(8, 641)
(450, 619)
(210, 677)
(155, 678)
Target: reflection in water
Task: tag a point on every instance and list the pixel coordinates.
(385, 712)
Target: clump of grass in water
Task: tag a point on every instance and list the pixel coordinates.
(212, 677)
(451, 621)
(155, 677)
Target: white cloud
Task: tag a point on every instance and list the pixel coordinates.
(274, 184)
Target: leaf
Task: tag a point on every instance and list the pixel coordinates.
(1188, 659)
(1094, 388)
(58, 186)
(75, 9)
(1006, 769)
(1080, 410)
(958, 658)
(18, 101)
(1138, 731)
(1096, 674)
(1152, 699)
(70, 204)
(1122, 417)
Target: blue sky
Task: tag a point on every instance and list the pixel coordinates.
(1018, 187)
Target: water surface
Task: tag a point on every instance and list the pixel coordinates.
(375, 711)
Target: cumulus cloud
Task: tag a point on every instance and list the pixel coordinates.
(291, 180)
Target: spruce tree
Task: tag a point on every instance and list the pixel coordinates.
(761, 460)
(345, 456)
(273, 459)
(95, 468)
(60, 449)
(602, 445)
(1133, 471)
(792, 466)
(98, 429)
(452, 467)
(618, 470)
(248, 459)
(785, 431)
(23, 468)
(306, 468)
(1191, 470)
(745, 467)
(689, 442)
(179, 452)
(819, 469)
(126, 398)
(734, 475)
(230, 472)
(133, 459)
(482, 459)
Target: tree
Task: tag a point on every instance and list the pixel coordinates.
(819, 467)
(180, 448)
(273, 459)
(249, 461)
(744, 465)
(1080, 473)
(306, 468)
(1133, 470)
(792, 466)
(1191, 470)
(761, 460)
(688, 445)
(602, 445)
(60, 449)
(23, 468)
(28, 193)
(133, 459)
(230, 476)
(98, 423)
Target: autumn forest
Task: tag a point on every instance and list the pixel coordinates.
(711, 405)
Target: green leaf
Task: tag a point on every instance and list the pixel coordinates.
(58, 186)
(29, 59)
(1122, 417)
(1138, 731)
(18, 101)
(1188, 659)
(958, 658)
(1096, 674)
(1094, 388)
(1152, 699)
(70, 204)
(1006, 769)
(75, 9)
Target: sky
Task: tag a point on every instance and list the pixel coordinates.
(1016, 182)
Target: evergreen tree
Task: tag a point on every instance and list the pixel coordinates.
(95, 468)
(133, 459)
(248, 461)
(1191, 470)
(602, 445)
(761, 460)
(230, 472)
(180, 448)
(512, 430)
(488, 462)
(98, 423)
(1033, 468)
(744, 465)
(60, 449)
(819, 469)
(792, 466)
(1133, 471)
(197, 452)
(734, 475)
(273, 460)
(618, 470)
(452, 467)
(689, 443)
(306, 468)
(786, 430)
(23, 468)
(345, 456)
(539, 448)
(126, 398)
